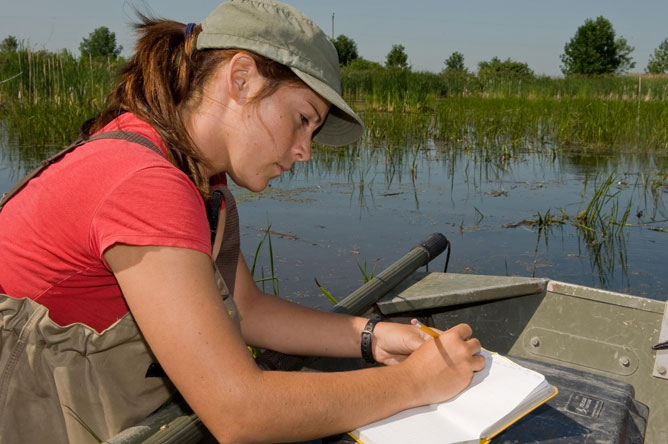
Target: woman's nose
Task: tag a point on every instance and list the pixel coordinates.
(302, 149)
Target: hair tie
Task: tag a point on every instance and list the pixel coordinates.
(189, 30)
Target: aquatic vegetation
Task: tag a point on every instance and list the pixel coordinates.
(45, 97)
(272, 271)
(367, 275)
(378, 87)
(542, 221)
(601, 225)
(602, 214)
(326, 292)
(505, 127)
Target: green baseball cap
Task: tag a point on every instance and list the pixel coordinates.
(283, 34)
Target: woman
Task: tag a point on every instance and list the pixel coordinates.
(108, 259)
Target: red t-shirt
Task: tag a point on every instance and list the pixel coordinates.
(55, 231)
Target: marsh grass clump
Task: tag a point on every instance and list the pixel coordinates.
(601, 226)
(542, 222)
(547, 219)
(45, 96)
(604, 216)
(505, 127)
(392, 89)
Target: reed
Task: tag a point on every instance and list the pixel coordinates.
(272, 276)
(45, 97)
(378, 87)
(604, 216)
(367, 275)
(503, 127)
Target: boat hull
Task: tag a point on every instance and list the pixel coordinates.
(586, 329)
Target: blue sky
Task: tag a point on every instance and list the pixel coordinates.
(533, 31)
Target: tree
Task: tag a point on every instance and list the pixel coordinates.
(507, 68)
(397, 57)
(100, 43)
(658, 62)
(346, 48)
(455, 62)
(9, 44)
(457, 78)
(594, 50)
(624, 51)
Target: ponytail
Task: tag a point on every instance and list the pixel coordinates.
(155, 85)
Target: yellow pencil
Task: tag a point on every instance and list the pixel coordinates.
(424, 328)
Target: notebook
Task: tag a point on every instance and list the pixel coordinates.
(499, 395)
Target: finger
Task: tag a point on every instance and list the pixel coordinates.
(479, 362)
(464, 331)
(474, 345)
(425, 337)
(414, 338)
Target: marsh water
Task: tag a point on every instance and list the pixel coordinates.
(360, 208)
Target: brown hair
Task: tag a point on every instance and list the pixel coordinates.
(165, 76)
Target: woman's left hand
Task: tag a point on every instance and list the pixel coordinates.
(393, 342)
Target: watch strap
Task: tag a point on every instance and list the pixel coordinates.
(367, 341)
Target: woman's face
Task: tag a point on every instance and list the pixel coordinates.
(273, 134)
(254, 141)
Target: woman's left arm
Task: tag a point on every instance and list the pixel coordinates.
(273, 323)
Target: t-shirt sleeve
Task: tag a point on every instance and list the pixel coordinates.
(152, 206)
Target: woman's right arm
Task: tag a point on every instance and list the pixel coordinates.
(173, 297)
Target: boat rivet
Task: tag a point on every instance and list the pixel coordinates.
(661, 370)
(624, 361)
(535, 342)
(164, 426)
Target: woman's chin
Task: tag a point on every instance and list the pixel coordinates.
(255, 184)
(257, 189)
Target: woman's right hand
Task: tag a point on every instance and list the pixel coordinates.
(443, 367)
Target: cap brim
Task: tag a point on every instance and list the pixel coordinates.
(342, 126)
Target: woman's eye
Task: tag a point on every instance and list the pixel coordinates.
(304, 120)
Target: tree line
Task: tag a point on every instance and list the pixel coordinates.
(593, 50)
(99, 43)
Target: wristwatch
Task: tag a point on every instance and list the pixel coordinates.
(367, 340)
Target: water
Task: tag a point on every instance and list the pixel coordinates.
(355, 209)
(364, 215)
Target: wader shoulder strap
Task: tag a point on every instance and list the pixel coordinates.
(120, 135)
(229, 250)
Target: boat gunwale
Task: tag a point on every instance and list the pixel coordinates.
(606, 296)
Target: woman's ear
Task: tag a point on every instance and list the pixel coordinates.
(244, 78)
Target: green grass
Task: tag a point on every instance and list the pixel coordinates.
(382, 86)
(272, 270)
(44, 98)
(603, 218)
(500, 128)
